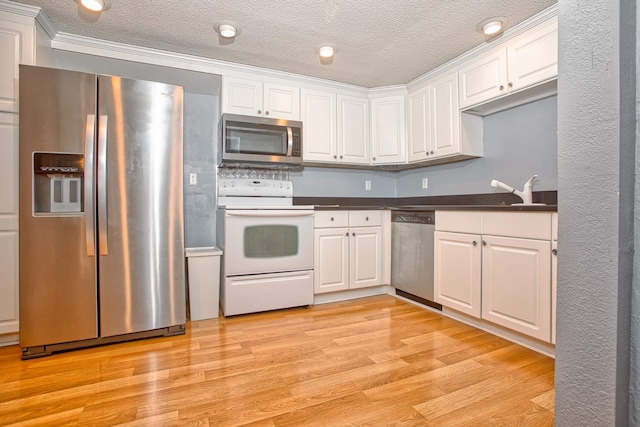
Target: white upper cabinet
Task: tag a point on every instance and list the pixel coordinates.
(353, 129)
(335, 128)
(388, 130)
(319, 142)
(17, 46)
(257, 98)
(419, 125)
(524, 61)
(445, 116)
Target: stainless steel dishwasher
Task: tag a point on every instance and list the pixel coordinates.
(412, 255)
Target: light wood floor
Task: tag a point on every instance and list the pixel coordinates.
(375, 361)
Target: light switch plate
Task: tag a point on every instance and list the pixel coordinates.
(425, 183)
(367, 185)
(193, 179)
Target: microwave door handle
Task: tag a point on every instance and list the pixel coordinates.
(289, 141)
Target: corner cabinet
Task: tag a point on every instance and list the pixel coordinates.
(347, 250)
(17, 46)
(388, 130)
(497, 266)
(527, 60)
(258, 98)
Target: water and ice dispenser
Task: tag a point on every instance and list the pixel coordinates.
(58, 183)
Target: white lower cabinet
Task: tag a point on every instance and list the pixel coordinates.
(348, 250)
(503, 277)
(457, 270)
(516, 284)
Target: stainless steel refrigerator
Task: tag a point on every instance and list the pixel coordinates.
(101, 210)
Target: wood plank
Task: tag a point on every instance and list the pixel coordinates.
(371, 361)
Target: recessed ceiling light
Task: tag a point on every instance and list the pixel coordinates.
(326, 51)
(96, 5)
(227, 30)
(492, 26)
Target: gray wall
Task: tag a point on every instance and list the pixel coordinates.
(202, 110)
(596, 165)
(518, 143)
(336, 182)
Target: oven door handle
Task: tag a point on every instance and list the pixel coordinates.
(269, 214)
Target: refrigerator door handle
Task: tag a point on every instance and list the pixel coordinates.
(102, 185)
(89, 156)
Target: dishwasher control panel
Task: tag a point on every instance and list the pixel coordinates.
(414, 217)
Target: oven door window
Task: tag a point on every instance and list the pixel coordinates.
(270, 241)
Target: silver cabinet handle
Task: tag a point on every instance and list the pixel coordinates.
(501, 88)
(347, 234)
(102, 185)
(510, 85)
(484, 243)
(331, 219)
(266, 113)
(374, 159)
(366, 219)
(475, 243)
(89, 176)
(353, 234)
(554, 251)
(259, 111)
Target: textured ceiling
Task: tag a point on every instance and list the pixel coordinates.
(379, 42)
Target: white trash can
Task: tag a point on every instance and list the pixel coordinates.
(203, 267)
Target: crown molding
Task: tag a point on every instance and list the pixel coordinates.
(88, 45)
(509, 34)
(47, 26)
(19, 9)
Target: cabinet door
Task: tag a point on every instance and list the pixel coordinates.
(419, 131)
(483, 78)
(445, 116)
(365, 255)
(353, 129)
(17, 46)
(8, 163)
(457, 270)
(331, 260)
(319, 126)
(516, 284)
(8, 223)
(240, 96)
(533, 56)
(388, 141)
(8, 281)
(554, 288)
(282, 102)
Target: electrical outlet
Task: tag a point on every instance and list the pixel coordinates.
(367, 185)
(193, 179)
(425, 183)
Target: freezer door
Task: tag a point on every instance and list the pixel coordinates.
(58, 293)
(140, 207)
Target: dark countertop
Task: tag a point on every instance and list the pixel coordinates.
(469, 202)
(503, 208)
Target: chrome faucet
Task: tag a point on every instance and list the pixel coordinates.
(526, 194)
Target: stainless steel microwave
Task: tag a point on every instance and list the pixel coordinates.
(247, 139)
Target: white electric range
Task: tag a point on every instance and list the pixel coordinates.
(268, 246)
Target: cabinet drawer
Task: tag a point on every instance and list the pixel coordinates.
(365, 218)
(527, 225)
(331, 219)
(459, 222)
